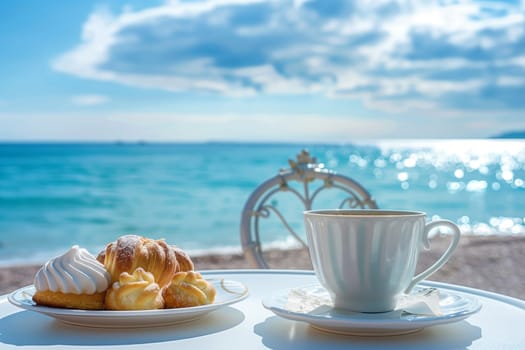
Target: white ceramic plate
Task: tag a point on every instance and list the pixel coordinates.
(454, 306)
(228, 292)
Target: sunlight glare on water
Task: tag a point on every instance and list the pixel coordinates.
(88, 194)
(470, 168)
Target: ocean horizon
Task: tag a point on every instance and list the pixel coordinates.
(57, 194)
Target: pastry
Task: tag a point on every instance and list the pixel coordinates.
(188, 289)
(129, 252)
(185, 263)
(136, 291)
(74, 280)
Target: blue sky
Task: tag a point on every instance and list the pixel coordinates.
(248, 70)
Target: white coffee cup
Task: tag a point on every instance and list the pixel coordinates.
(366, 259)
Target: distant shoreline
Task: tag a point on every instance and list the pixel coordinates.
(510, 136)
(492, 263)
(39, 258)
(519, 134)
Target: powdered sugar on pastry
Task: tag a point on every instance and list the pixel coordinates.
(130, 252)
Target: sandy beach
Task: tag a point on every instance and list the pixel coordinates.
(491, 263)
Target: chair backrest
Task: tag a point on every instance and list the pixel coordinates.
(305, 180)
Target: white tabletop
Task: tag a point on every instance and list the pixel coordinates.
(247, 324)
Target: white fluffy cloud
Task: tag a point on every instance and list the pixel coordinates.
(393, 55)
(89, 100)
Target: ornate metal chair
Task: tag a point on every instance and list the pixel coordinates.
(306, 181)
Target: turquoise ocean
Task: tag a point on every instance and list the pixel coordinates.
(55, 195)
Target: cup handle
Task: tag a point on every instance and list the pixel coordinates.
(446, 255)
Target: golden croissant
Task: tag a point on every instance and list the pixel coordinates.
(185, 263)
(130, 252)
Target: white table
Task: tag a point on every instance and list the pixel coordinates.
(248, 325)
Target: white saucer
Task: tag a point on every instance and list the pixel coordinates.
(454, 306)
(228, 292)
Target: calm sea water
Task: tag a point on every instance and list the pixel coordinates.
(55, 195)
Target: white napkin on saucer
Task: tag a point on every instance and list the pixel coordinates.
(423, 302)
